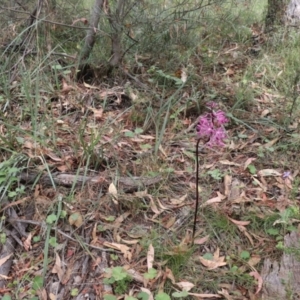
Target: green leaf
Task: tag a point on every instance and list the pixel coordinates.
(143, 296)
(74, 292)
(129, 134)
(151, 274)
(180, 294)
(12, 194)
(252, 169)
(37, 283)
(162, 296)
(138, 130)
(52, 241)
(2, 238)
(208, 256)
(273, 231)
(110, 297)
(245, 255)
(6, 297)
(118, 273)
(130, 298)
(51, 219)
(36, 238)
(110, 218)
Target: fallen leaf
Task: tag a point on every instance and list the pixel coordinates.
(217, 199)
(4, 259)
(76, 219)
(170, 222)
(123, 248)
(259, 279)
(228, 163)
(57, 269)
(236, 222)
(170, 275)
(150, 257)
(147, 292)
(201, 240)
(248, 162)
(112, 190)
(65, 87)
(27, 242)
(204, 296)
(185, 285)
(225, 294)
(268, 172)
(218, 261)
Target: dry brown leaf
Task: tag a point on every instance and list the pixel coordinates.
(185, 285)
(170, 222)
(65, 87)
(27, 242)
(179, 201)
(57, 269)
(254, 260)
(268, 172)
(218, 261)
(229, 72)
(141, 194)
(225, 294)
(259, 279)
(153, 206)
(271, 143)
(150, 257)
(42, 294)
(76, 219)
(98, 113)
(245, 232)
(123, 248)
(112, 190)
(217, 199)
(131, 242)
(52, 296)
(204, 296)
(4, 259)
(229, 163)
(236, 222)
(227, 184)
(82, 20)
(201, 240)
(170, 275)
(248, 162)
(92, 87)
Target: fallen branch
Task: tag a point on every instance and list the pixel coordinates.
(126, 183)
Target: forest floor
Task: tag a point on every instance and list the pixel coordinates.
(98, 180)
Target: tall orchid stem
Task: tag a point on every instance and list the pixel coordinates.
(197, 190)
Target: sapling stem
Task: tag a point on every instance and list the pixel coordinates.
(197, 189)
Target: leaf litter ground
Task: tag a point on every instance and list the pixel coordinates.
(119, 224)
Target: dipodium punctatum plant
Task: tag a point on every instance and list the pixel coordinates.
(210, 128)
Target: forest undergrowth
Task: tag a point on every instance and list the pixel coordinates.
(98, 173)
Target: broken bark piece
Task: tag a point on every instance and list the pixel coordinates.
(127, 183)
(282, 278)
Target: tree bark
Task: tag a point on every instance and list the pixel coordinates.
(275, 13)
(91, 32)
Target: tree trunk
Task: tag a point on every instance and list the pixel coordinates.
(116, 21)
(275, 13)
(91, 32)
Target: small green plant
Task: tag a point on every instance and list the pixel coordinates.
(252, 169)
(119, 278)
(215, 174)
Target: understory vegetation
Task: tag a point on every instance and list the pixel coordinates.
(98, 150)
